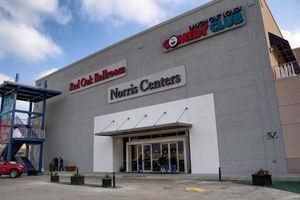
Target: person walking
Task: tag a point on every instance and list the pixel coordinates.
(161, 162)
(55, 161)
(61, 164)
(173, 164)
(166, 163)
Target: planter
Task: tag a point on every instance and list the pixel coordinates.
(265, 180)
(70, 168)
(106, 182)
(54, 178)
(77, 180)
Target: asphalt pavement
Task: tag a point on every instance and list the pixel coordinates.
(139, 186)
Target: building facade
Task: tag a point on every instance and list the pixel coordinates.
(288, 90)
(199, 87)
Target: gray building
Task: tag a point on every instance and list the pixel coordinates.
(199, 87)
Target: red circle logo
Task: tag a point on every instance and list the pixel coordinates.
(173, 41)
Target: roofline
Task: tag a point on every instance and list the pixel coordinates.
(297, 48)
(43, 90)
(273, 18)
(213, 2)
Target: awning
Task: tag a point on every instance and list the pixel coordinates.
(160, 127)
(27, 93)
(283, 48)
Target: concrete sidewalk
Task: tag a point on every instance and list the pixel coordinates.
(136, 187)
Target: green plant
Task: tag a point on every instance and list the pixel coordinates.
(107, 176)
(77, 175)
(262, 172)
(55, 174)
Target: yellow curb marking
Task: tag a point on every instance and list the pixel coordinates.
(194, 189)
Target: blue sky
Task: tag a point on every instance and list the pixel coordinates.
(39, 37)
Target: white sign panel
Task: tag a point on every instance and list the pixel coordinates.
(99, 76)
(158, 82)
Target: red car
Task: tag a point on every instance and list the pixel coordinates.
(13, 169)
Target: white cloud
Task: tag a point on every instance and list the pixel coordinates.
(22, 105)
(4, 77)
(26, 42)
(45, 73)
(21, 24)
(145, 12)
(293, 37)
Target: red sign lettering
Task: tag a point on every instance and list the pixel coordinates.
(96, 78)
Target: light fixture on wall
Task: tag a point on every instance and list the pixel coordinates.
(272, 134)
(251, 3)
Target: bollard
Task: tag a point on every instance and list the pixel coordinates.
(114, 180)
(220, 174)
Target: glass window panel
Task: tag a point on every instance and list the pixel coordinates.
(156, 167)
(180, 150)
(155, 151)
(139, 150)
(164, 148)
(133, 158)
(147, 157)
(181, 165)
(133, 152)
(173, 149)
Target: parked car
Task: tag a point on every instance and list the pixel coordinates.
(13, 169)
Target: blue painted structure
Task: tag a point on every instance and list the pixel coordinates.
(12, 92)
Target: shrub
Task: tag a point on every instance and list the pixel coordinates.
(262, 172)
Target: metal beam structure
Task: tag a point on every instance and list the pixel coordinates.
(29, 134)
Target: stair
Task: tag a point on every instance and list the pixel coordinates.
(3, 151)
(26, 130)
(27, 164)
(15, 148)
(19, 160)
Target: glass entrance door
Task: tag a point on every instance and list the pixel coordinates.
(165, 153)
(173, 154)
(147, 158)
(134, 164)
(144, 157)
(155, 157)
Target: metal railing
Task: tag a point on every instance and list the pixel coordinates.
(28, 132)
(285, 70)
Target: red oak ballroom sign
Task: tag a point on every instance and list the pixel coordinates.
(100, 76)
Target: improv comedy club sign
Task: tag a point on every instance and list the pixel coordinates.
(153, 83)
(97, 77)
(206, 28)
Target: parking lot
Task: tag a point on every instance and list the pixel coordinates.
(135, 187)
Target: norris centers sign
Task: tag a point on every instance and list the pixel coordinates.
(206, 28)
(165, 80)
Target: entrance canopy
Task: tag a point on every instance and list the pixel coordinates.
(160, 127)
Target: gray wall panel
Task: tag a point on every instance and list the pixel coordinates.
(234, 65)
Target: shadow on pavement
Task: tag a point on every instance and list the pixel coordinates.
(290, 186)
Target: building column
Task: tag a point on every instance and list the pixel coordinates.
(10, 144)
(41, 158)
